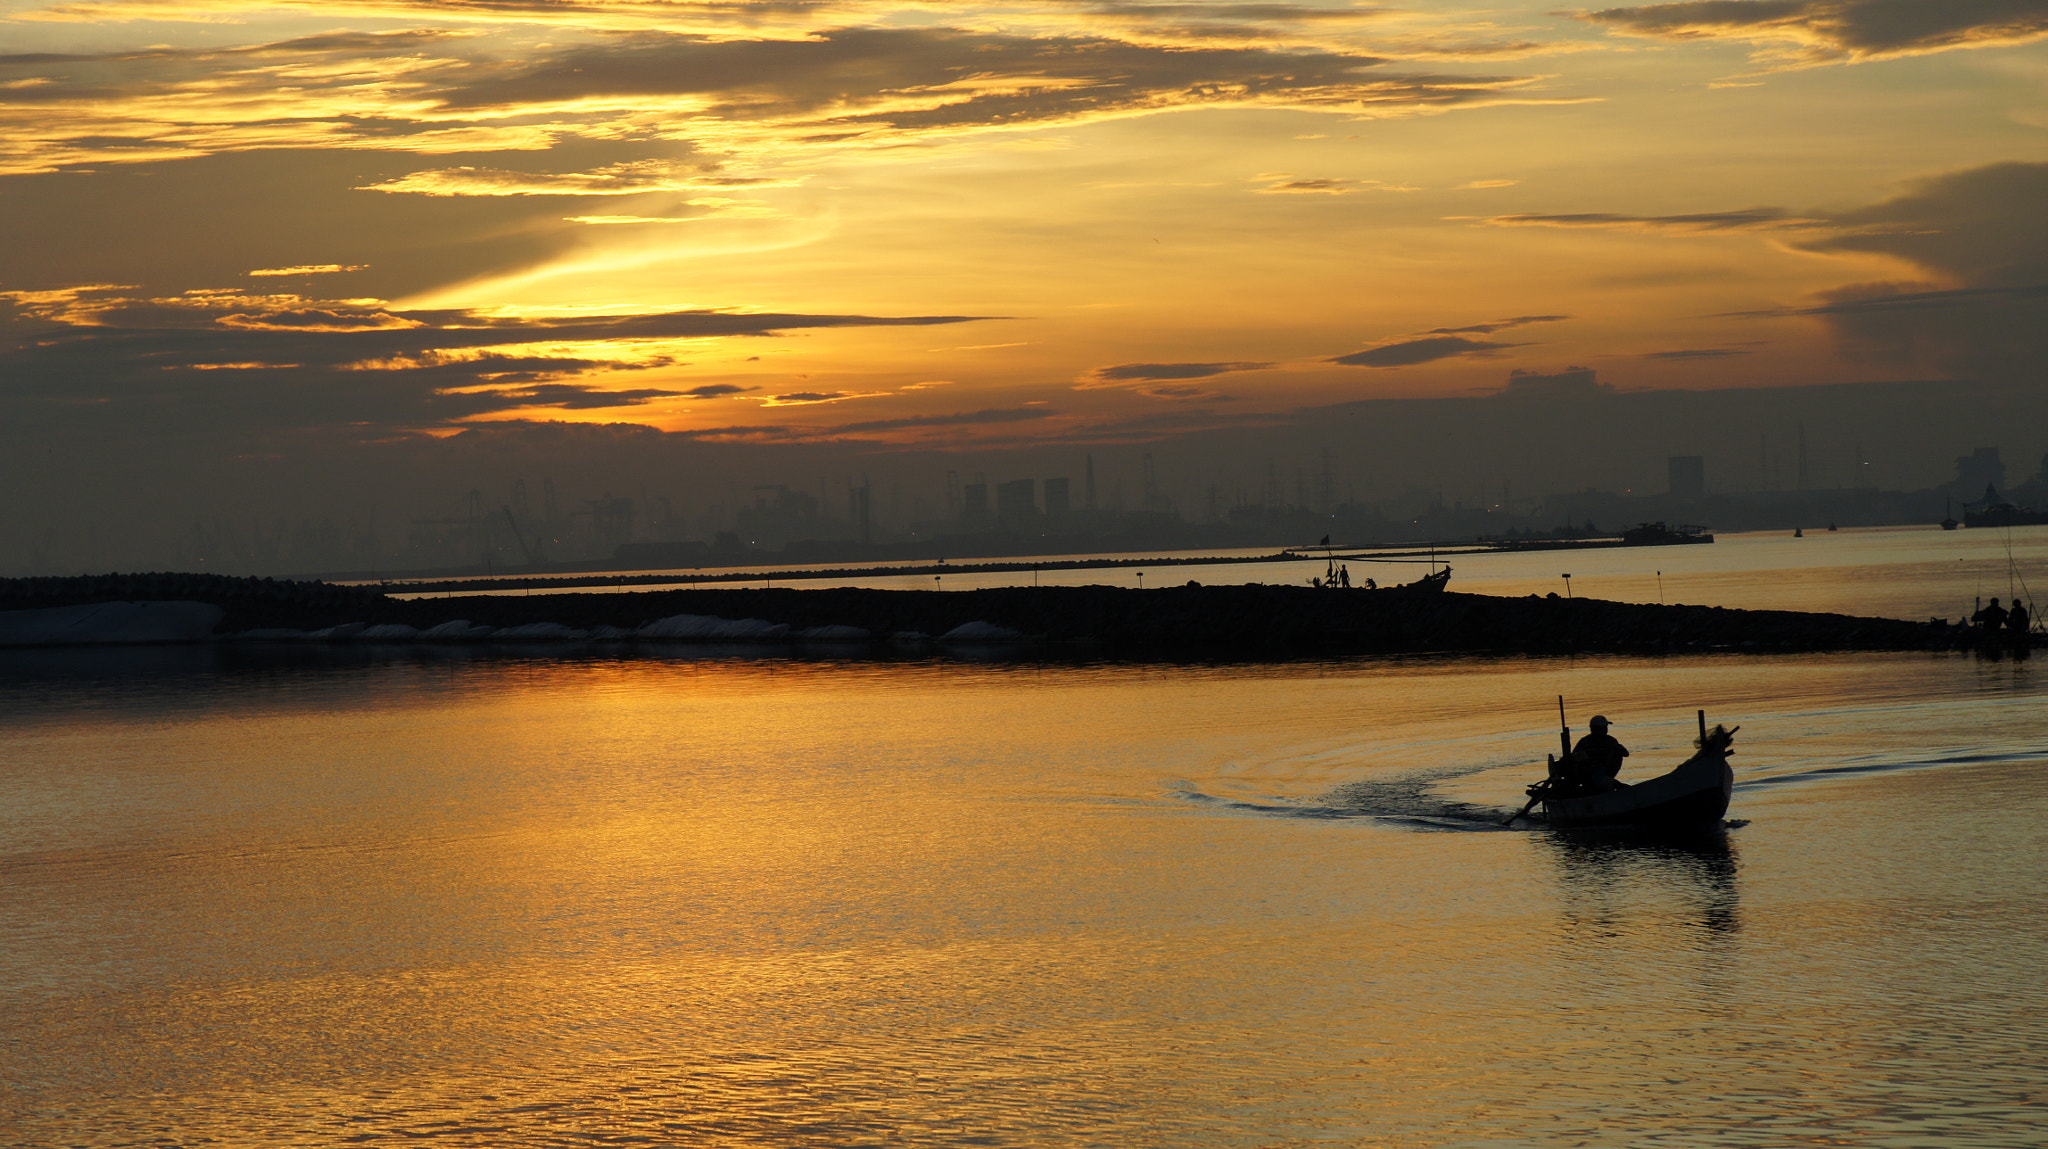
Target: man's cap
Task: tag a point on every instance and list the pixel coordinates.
(1598, 720)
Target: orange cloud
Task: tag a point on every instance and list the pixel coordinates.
(311, 269)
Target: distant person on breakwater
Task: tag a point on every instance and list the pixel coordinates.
(1597, 758)
(1992, 618)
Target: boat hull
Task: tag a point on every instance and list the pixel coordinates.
(1433, 582)
(1695, 794)
(2006, 516)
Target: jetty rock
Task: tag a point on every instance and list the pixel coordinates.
(540, 631)
(105, 623)
(456, 630)
(979, 631)
(1247, 621)
(711, 628)
(834, 634)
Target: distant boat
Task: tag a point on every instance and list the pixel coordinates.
(1993, 511)
(1831, 526)
(1693, 796)
(1798, 533)
(2005, 515)
(1948, 517)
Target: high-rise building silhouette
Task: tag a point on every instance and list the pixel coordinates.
(1057, 502)
(1017, 502)
(974, 503)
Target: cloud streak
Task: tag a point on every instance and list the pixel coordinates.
(1809, 32)
(1440, 343)
(439, 91)
(1747, 219)
(1496, 325)
(311, 269)
(1290, 185)
(907, 80)
(1695, 353)
(1414, 352)
(1131, 374)
(302, 362)
(911, 428)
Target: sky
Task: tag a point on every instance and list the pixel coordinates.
(325, 256)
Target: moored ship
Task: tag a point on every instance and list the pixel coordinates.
(1659, 535)
(1992, 511)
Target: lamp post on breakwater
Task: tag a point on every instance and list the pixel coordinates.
(1567, 584)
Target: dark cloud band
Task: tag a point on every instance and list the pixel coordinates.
(1412, 352)
(1442, 343)
(280, 362)
(1158, 372)
(1826, 30)
(1747, 219)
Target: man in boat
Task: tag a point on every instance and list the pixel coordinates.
(1991, 618)
(1597, 758)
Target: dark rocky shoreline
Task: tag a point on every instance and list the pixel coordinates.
(1176, 621)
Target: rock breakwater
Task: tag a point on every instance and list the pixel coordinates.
(1179, 621)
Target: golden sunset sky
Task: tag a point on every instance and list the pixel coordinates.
(958, 224)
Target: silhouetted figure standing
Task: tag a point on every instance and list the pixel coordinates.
(1598, 757)
(2016, 621)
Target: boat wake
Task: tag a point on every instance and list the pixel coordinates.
(1888, 764)
(1408, 800)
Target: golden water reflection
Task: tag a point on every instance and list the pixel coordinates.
(563, 901)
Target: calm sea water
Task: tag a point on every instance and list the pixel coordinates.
(701, 898)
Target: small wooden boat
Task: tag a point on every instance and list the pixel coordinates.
(1692, 796)
(1434, 581)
